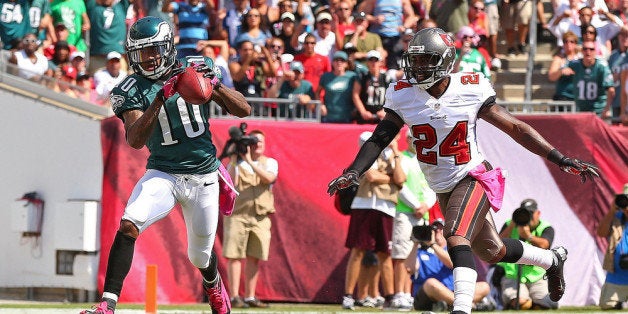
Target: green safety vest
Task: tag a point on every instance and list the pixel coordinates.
(529, 273)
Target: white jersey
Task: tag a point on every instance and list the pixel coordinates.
(444, 128)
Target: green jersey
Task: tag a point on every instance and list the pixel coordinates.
(37, 11)
(108, 27)
(14, 21)
(70, 12)
(590, 85)
(181, 142)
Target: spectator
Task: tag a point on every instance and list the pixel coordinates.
(469, 58)
(342, 24)
(415, 200)
(325, 39)
(363, 40)
(40, 19)
(396, 73)
(388, 19)
(450, 15)
(593, 82)
(61, 57)
(432, 275)
(526, 225)
(587, 28)
(207, 49)
(517, 14)
(77, 60)
(492, 17)
(278, 14)
(315, 64)
(61, 34)
(354, 65)
(369, 91)
(246, 233)
(249, 71)
(31, 64)
(478, 19)
(617, 62)
(276, 48)
(253, 29)
(613, 227)
(65, 80)
(73, 14)
(106, 79)
(371, 222)
(15, 23)
(559, 72)
(85, 88)
(291, 85)
(337, 104)
(107, 32)
(229, 23)
(286, 31)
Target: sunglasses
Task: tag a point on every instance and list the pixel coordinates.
(570, 41)
(310, 43)
(467, 36)
(339, 59)
(588, 49)
(253, 15)
(29, 41)
(588, 31)
(276, 46)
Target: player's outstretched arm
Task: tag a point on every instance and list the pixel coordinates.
(529, 138)
(383, 134)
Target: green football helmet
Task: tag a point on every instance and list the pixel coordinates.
(150, 47)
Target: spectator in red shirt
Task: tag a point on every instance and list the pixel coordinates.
(315, 64)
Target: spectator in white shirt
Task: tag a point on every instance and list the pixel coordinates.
(105, 79)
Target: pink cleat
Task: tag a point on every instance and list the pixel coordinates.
(218, 298)
(100, 308)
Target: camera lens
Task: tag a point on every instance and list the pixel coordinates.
(621, 200)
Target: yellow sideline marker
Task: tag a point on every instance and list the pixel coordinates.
(151, 289)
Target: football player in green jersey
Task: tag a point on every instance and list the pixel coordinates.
(182, 166)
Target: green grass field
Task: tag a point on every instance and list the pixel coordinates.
(75, 308)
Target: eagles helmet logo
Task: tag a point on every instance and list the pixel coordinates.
(116, 101)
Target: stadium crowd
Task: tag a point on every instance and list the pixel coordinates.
(350, 49)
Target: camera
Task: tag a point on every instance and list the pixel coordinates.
(423, 233)
(621, 201)
(238, 141)
(522, 215)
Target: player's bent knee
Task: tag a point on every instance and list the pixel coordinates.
(199, 259)
(489, 250)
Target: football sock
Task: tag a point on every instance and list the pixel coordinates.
(210, 273)
(514, 250)
(465, 277)
(119, 264)
(536, 256)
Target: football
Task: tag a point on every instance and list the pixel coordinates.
(193, 87)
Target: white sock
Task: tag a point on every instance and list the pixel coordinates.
(536, 256)
(109, 295)
(464, 288)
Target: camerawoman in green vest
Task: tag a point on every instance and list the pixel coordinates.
(526, 224)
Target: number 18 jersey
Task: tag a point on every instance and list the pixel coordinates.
(444, 129)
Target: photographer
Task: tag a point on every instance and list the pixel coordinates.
(526, 225)
(432, 272)
(614, 227)
(247, 230)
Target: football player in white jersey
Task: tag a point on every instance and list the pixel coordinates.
(441, 109)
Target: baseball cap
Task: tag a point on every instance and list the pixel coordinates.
(374, 54)
(341, 55)
(323, 16)
(77, 54)
(297, 66)
(529, 205)
(349, 48)
(114, 55)
(287, 15)
(69, 71)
